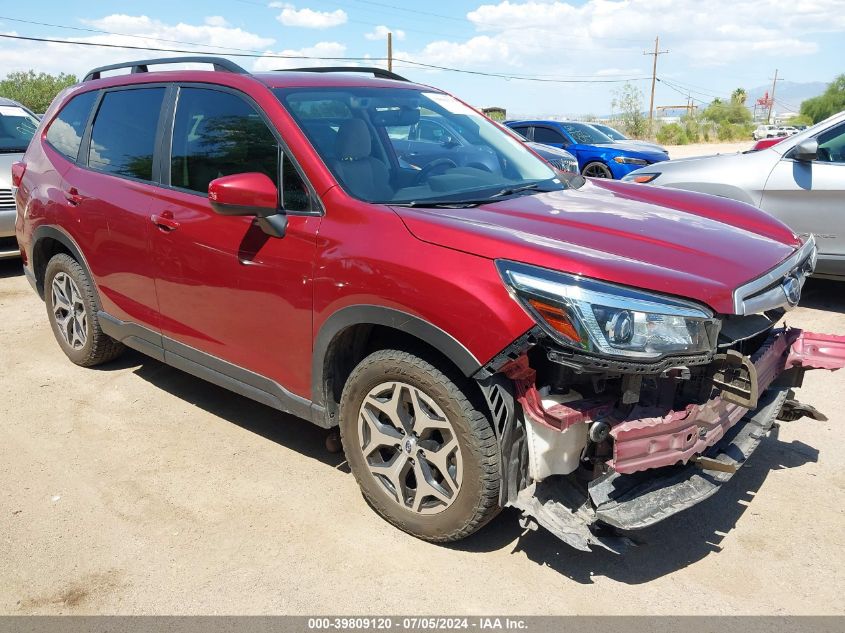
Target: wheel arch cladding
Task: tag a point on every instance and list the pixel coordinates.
(348, 335)
(48, 241)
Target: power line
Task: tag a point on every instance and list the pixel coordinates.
(325, 58)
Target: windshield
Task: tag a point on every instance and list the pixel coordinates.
(412, 146)
(615, 135)
(586, 134)
(17, 126)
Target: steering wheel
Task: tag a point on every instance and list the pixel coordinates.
(426, 171)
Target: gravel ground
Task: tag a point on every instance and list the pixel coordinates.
(137, 489)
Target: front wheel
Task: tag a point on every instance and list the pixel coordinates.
(597, 170)
(425, 457)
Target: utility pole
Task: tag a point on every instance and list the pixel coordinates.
(390, 51)
(656, 52)
(772, 97)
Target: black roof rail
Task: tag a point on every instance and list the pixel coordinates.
(220, 63)
(379, 73)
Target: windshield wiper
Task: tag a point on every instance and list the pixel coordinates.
(441, 204)
(512, 190)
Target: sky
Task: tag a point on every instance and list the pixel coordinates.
(565, 58)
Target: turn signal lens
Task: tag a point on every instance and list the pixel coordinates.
(644, 178)
(556, 318)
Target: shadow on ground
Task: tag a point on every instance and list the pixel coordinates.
(662, 549)
(11, 268)
(284, 429)
(824, 294)
(671, 545)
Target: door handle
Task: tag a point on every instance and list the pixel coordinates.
(73, 196)
(165, 221)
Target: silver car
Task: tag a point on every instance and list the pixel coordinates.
(17, 126)
(800, 180)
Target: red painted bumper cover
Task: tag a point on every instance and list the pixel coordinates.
(652, 442)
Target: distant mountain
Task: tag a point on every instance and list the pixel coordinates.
(788, 94)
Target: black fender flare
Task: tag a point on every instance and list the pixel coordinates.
(353, 315)
(63, 237)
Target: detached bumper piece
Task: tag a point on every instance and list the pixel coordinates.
(662, 465)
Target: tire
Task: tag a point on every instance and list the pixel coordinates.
(69, 291)
(440, 417)
(597, 169)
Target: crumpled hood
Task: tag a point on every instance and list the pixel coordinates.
(675, 242)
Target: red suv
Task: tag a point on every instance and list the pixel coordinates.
(484, 331)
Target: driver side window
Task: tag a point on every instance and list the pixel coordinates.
(832, 145)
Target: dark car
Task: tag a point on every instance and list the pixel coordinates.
(481, 337)
(598, 155)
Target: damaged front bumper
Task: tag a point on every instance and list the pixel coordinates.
(663, 464)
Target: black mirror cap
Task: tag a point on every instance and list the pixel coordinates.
(806, 151)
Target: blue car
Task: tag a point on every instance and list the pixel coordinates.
(598, 155)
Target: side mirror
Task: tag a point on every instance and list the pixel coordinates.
(806, 151)
(249, 194)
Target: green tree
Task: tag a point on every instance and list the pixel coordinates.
(34, 90)
(739, 96)
(629, 101)
(799, 119)
(831, 102)
(721, 112)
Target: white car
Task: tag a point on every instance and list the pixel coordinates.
(800, 181)
(17, 125)
(786, 130)
(764, 131)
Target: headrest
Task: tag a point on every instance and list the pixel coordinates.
(353, 140)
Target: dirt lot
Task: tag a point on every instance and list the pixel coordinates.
(137, 489)
(706, 149)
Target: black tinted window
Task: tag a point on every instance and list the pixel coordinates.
(218, 134)
(66, 130)
(548, 135)
(295, 195)
(123, 136)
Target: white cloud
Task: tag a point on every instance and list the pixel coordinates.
(321, 49)
(381, 31)
(139, 31)
(308, 18)
(216, 20)
(716, 32)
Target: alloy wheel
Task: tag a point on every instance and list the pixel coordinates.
(597, 170)
(410, 447)
(69, 311)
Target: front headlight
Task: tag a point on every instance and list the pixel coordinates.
(627, 160)
(610, 320)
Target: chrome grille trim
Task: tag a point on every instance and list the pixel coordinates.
(766, 292)
(7, 199)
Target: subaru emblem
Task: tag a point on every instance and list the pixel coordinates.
(792, 289)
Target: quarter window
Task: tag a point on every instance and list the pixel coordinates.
(66, 130)
(124, 132)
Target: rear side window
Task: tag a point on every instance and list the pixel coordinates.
(218, 134)
(124, 133)
(548, 135)
(66, 130)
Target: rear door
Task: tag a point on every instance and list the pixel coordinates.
(108, 194)
(226, 289)
(810, 197)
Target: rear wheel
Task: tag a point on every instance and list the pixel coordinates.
(596, 170)
(425, 457)
(72, 311)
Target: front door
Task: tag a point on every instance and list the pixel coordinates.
(225, 288)
(809, 196)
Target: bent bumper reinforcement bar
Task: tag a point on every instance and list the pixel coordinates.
(656, 479)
